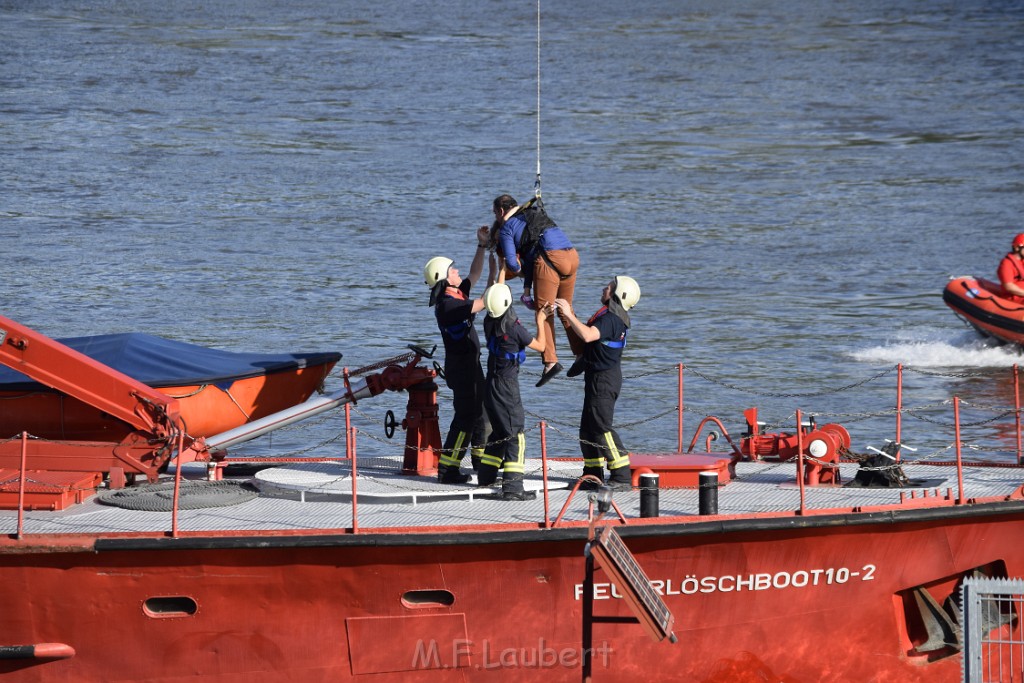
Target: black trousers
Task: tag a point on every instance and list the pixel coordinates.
(599, 441)
(504, 408)
(469, 425)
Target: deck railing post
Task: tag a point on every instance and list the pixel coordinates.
(899, 408)
(348, 430)
(21, 484)
(544, 470)
(348, 420)
(177, 485)
(800, 458)
(959, 458)
(355, 508)
(1016, 410)
(679, 448)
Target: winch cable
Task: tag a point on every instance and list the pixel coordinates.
(536, 183)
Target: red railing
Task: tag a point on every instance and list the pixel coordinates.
(351, 456)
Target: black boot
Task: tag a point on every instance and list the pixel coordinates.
(620, 479)
(452, 475)
(594, 472)
(486, 475)
(512, 488)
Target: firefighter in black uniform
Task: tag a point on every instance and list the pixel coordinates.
(455, 312)
(601, 340)
(507, 341)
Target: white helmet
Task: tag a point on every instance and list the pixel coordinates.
(627, 291)
(436, 270)
(497, 299)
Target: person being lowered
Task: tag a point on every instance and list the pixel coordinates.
(507, 341)
(455, 313)
(532, 245)
(602, 339)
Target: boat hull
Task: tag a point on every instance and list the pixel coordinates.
(825, 598)
(985, 306)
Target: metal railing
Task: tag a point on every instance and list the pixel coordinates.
(992, 610)
(351, 431)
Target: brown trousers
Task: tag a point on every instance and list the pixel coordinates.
(548, 286)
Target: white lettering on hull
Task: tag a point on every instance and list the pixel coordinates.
(730, 583)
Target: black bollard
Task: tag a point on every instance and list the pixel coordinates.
(649, 494)
(708, 493)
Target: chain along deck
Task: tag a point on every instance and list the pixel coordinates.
(318, 496)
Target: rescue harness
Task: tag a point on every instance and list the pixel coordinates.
(619, 344)
(537, 221)
(492, 346)
(458, 331)
(616, 344)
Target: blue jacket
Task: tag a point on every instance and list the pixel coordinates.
(511, 236)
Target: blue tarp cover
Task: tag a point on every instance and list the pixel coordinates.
(162, 362)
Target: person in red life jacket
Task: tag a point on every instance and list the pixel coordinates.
(1011, 270)
(531, 245)
(507, 341)
(455, 313)
(601, 340)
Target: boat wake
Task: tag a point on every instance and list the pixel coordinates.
(940, 350)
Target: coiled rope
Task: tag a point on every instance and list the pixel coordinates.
(192, 495)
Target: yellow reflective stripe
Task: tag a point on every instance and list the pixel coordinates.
(491, 460)
(593, 462)
(476, 452)
(450, 459)
(460, 444)
(519, 464)
(615, 458)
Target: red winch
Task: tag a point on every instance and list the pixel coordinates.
(823, 444)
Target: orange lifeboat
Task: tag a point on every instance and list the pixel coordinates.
(216, 390)
(986, 307)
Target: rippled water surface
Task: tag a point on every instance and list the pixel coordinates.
(791, 183)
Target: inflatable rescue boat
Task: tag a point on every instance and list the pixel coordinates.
(987, 307)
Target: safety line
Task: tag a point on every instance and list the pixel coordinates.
(536, 183)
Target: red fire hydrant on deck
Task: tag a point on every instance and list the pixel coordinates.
(423, 434)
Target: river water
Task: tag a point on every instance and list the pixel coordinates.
(792, 184)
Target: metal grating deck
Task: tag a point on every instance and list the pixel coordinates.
(317, 496)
